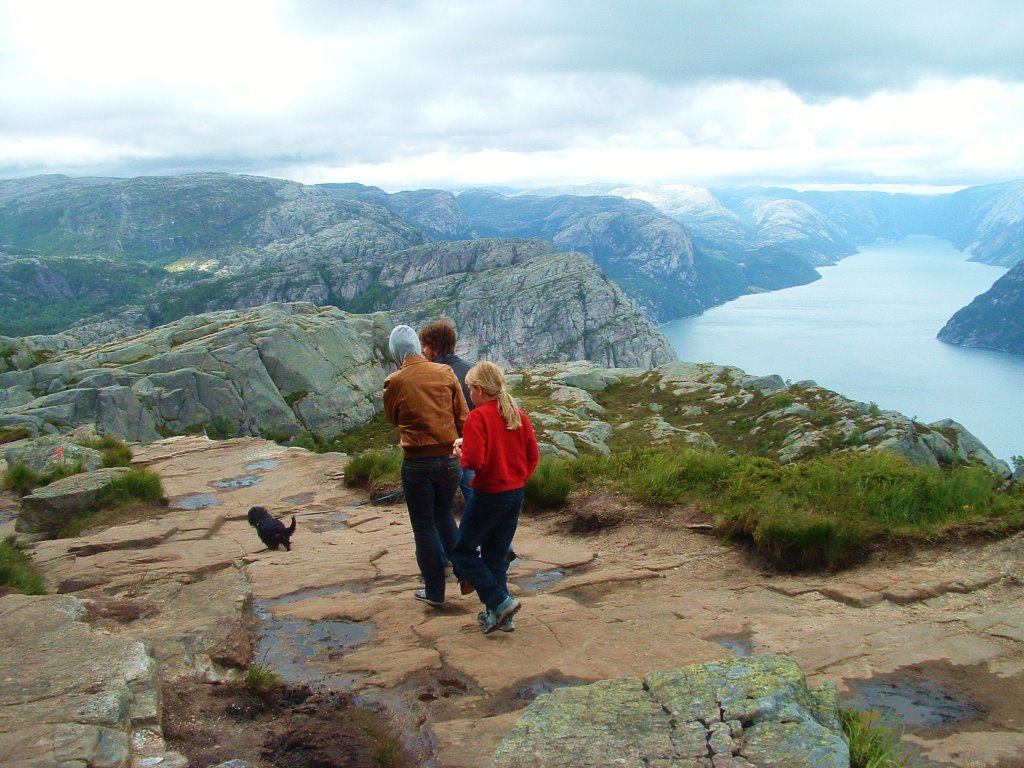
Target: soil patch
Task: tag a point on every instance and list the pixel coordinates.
(279, 727)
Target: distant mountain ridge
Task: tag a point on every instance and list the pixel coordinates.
(156, 249)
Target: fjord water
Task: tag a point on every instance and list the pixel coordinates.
(867, 330)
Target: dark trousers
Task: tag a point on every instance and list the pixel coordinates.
(429, 486)
(489, 522)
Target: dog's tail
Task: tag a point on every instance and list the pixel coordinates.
(291, 528)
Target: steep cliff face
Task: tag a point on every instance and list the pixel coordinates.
(521, 301)
(986, 221)
(647, 253)
(995, 319)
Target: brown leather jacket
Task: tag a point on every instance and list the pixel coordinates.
(425, 401)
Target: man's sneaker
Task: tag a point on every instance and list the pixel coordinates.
(506, 609)
(421, 595)
(508, 625)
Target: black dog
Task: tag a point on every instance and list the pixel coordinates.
(271, 531)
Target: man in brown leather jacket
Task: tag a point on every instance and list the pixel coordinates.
(425, 401)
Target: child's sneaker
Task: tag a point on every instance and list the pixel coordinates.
(508, 625)
(506, 609)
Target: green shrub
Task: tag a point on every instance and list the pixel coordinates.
(135, 485)
(374, 435)
(374, 468)
(17, 570)
(872, 744)
(550, 485)
(220, 427)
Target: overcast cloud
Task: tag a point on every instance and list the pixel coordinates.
(405, 94)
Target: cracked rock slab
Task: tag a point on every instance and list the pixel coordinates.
(756, 711)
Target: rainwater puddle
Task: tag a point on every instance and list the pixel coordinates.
(299, 498)
(301, 651)
(539, 580)
(263, 464)
(905, 700)
(234, 483)
(196, 501)
(738, 644)
(295, 597)
(333, 522)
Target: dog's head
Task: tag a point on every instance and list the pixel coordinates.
(256, 514)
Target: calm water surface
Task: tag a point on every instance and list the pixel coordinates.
(867, 330)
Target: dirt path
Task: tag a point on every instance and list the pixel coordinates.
(939, 635)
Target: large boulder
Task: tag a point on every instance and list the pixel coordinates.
(755, 712)
(46, 453)
(275, 370)
(45, 511)
(73, 696)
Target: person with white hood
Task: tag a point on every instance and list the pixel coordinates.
(425, 401)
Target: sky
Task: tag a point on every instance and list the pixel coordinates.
(450, 94)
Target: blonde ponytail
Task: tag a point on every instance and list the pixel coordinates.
(491, 379)
(509, 410)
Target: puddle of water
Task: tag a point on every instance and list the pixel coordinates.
(196, 501)
(300, 651)
(738, 644)
(902, 699)
(234, 483)
(299, 498)
(539, 580)
(334, 522)
(263, 464)
(295, 597)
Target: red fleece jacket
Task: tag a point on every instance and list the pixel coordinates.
(503, 459)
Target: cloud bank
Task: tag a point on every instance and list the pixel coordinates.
(418, 93)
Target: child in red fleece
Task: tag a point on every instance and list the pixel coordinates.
(498, 444)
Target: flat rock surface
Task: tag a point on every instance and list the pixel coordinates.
(653, 593)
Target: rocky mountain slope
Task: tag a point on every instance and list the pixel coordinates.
(995, 319)
(281, 370)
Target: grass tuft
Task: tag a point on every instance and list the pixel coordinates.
(872, 744)
(134, 485)
(115, 452)
(16, 569)
(260, 677)
(550, 485)
(376, 469)
(822, 513)
(22, 480)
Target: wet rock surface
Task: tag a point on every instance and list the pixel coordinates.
(638, 593)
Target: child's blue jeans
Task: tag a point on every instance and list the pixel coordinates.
(489, 522)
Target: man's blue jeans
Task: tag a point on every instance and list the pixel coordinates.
(489, 522)
(430, 486)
